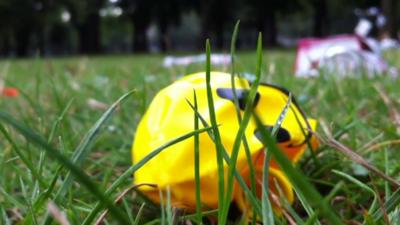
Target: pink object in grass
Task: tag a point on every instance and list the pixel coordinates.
(341, 55)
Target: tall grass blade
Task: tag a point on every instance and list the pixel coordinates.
(239, 116)
(169, 212)
(19, 153)
(240, 134)
(83, 149)
(268, 216)
(217, 136)
(197, 163)
(59, 120)
(252, 198)
(308, 208)
(139, 214)
(391, 204)
(363, 186)
(85, 180)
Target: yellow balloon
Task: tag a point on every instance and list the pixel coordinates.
(170, 116)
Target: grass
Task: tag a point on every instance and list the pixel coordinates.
(43, 140)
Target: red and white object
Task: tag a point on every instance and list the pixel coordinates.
(343, 54)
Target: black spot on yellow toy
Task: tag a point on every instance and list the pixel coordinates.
(169, 116)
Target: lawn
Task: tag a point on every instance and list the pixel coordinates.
(61, 99)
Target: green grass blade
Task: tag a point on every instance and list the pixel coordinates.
(81, 152)
(267, 213)
(313, 219)
(363, 186)
(218, 141)
(268, 216)
(240, 134)
(250, 163)
(249, 195)
(139, 214)
(15, 202)
(307, 207)
(162, 208)
(233, 46)
(85, 180)
(59, 119)
(83, 149)
(128, 173)
(168, 208)
(296, 177)
(391, 204)
(26, 161)
(197, 162)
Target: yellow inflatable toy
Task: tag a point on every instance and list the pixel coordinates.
(169, 116)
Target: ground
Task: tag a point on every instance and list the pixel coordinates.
(61, 99)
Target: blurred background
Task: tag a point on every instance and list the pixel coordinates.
(70, 27)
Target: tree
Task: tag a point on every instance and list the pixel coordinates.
(214, 17)
(166, 13)
(86, 19)
(264, 16)
(389, 8)
(20, 29)
(139, 13)
(320, 18)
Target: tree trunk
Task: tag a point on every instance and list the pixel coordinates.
(271, 31)
(139, 42)
(42, 40)
(5, 45)
(320, 18)
(163, 25)
(390, 11)
(22, 37)
(205, 14)
(89, 35)
(219, 33)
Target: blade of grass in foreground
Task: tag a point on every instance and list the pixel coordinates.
(218, 143)
(249, 195)
(169, 213)
(128, 173)
(83, 149)
(240, 134)
(307, 207)
(391, 204)
(239, 117)
(85, 180)
(139, 214)
(28, 163)
(296, 177)
(374, 203)
(268, 216)
(59, 120)
(197, 162)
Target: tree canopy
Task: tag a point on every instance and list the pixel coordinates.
(50, 27)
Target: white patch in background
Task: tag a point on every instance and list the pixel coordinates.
(363, 27)
(215, 59)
